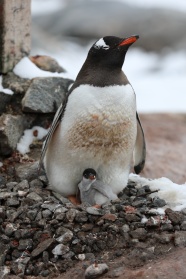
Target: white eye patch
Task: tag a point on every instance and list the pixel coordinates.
(101, 44)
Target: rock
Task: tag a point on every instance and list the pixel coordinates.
(60, 250)
(183, 226)
(15, 83)
(46, 63)
(45, 95)
(96, 270)
(4, 100)
(175, 217)
(44, 245)
(117, 272)
(27, 171)
(139, 233)
(153, 222)
(4, 270)
(180, 239)
(65, 235)
(157, 202)
(109, 217)
(81, 217)
(94, 211)
(125, 228)
(164, 238)
(34, 196)
(11, 130)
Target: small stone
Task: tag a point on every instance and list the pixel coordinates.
(94, 211)
(109, 217)
(60, 249)
(34, 196)
(180, 238)
(183, 211)
(81, 217)
(47, 214)
(139, 233)
(139, 202)
(12, 202)
(31, 214)
(157, 202)
(10, 229)
(60, 209)
(11, 186)
(164, 238)
(117, 272)
(132, 217)
(25, 244)
(45, 257)
(153, 221)
(71, 214)
(23, 185)
(125, 228)
(166, 227)
(175, 217)
(50, 206)
(65, 237)
(183, 226)
(95, 270)
(44, 245)
(87, 227)
(4, 270)
(45, 273)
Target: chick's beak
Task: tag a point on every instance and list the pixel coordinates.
(92, 177)
(129, 40)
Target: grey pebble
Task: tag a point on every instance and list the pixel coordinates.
(96, 270)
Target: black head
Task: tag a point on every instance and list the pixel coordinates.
(110, 51)
(89, 174)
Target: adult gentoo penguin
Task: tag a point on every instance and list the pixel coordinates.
(97, 126)
(93, 191)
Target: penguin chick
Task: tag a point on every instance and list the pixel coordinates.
(93, 191)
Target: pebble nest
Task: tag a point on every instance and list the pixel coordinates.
(42, 233)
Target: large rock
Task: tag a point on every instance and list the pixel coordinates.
(158, 28)
(45, 94)
(4, 100)
(11, 130)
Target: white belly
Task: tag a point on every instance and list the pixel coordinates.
(98, 131)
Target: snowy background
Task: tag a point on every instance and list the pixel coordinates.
(158, 80)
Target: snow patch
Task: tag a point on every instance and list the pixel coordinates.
(174, 194)
(5, 90)
(36, 133)
(1, 164)
(25, 68)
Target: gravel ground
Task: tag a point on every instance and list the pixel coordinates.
(43, 235)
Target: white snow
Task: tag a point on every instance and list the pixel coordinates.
(1, 164)
(172, 193)
(25, 68)
(101, 44)
(36, 133)
(5, 90)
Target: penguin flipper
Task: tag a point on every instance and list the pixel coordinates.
(53, 127)
(140, 148)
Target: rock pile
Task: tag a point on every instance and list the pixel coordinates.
(34, 101)
(42, 232)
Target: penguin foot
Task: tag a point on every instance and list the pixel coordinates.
(97, 206)
(73, 199)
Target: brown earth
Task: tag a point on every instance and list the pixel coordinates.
(166, 141)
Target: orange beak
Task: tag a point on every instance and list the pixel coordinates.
(129, 41)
